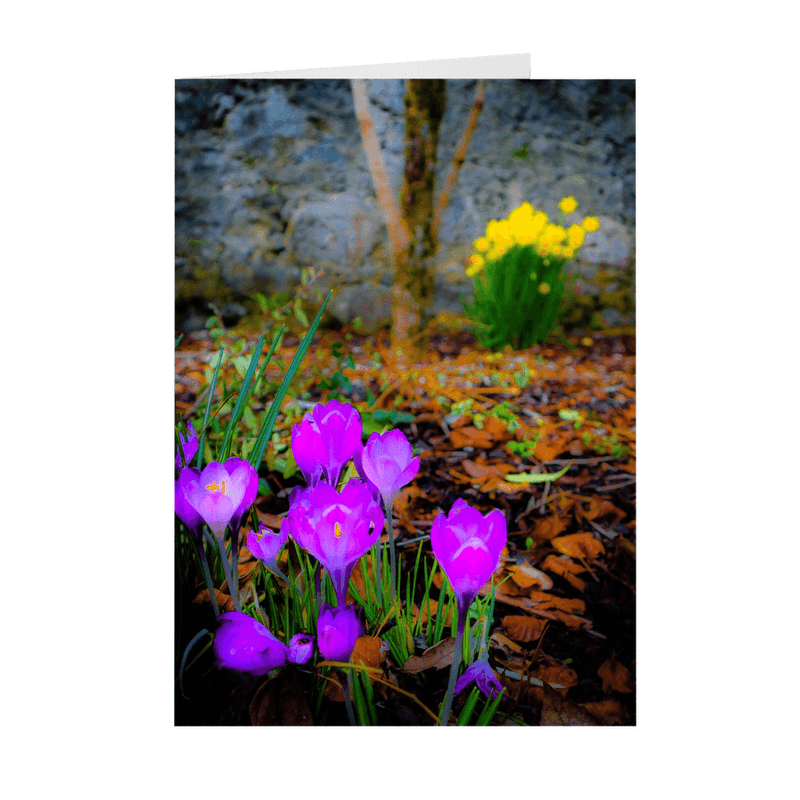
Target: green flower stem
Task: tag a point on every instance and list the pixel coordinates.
(233, 588)
(318, 584)
(276, 571)
(186, 655)
(451, 685)
(389, 523)
(347, 690)
(207, 577)
(197, 544)
(378, 570)
(235, 564)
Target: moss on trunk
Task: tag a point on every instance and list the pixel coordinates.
(414, 279)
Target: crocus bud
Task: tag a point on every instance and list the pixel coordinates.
(301, 648)
(484, 677)
(244, 644)
(189, 444)
(387, 462)
(265, 544)
(325, 440)
(337, 630)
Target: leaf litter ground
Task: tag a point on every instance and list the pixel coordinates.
(563, 638)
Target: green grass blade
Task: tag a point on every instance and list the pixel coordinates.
(275, 342)
(466, 712)
(207, 412)
(369, 697)
(490, 709)
(354, 683)
(241, 400)
(269, 421)
(273, 612)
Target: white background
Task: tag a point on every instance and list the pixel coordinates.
(88, 389)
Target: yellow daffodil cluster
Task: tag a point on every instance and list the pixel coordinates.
(527, 226)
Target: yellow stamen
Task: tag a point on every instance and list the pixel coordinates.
(337, 531)
(214, 487)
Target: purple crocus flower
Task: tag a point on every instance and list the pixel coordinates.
(220, 495)
(468, 546)
(388, 463)
(189, 444)
(265, 544)
(184, 486)
(484, 677)
(244, 644)
(244, 472)
(337, 528)
(325, 440)
(337, 630)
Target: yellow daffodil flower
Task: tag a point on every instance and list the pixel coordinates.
(568, 204)
(476, 264)
(590, 224)
(575, 236)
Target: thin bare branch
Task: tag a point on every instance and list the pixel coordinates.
(398, 234)
(458, 159)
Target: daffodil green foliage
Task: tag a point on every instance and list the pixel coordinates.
(517, 266)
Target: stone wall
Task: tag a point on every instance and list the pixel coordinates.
(271, 177)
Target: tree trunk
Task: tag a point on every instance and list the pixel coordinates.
(414, 279)
(413, 224)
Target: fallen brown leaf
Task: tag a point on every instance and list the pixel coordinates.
(561, 711)
(270, 520)
(224, 601)
(434, 605)
(501, 596)
(280, 701)
(358, 579)
(551, 449)
(565, 568)
(571, 605)
(525, 575)
(548, 528)
(616, 677)
(563, 676)
(600, 507)
(579, 545)
(368, 651)
(437, 657)
(471, 437)
(572, 621)
(504, 643)
(334, 689)
(524, 629)
(609, 712)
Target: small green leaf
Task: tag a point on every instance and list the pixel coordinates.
(250, 419)
(527, 477)
(299, 313)
(393, 417)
